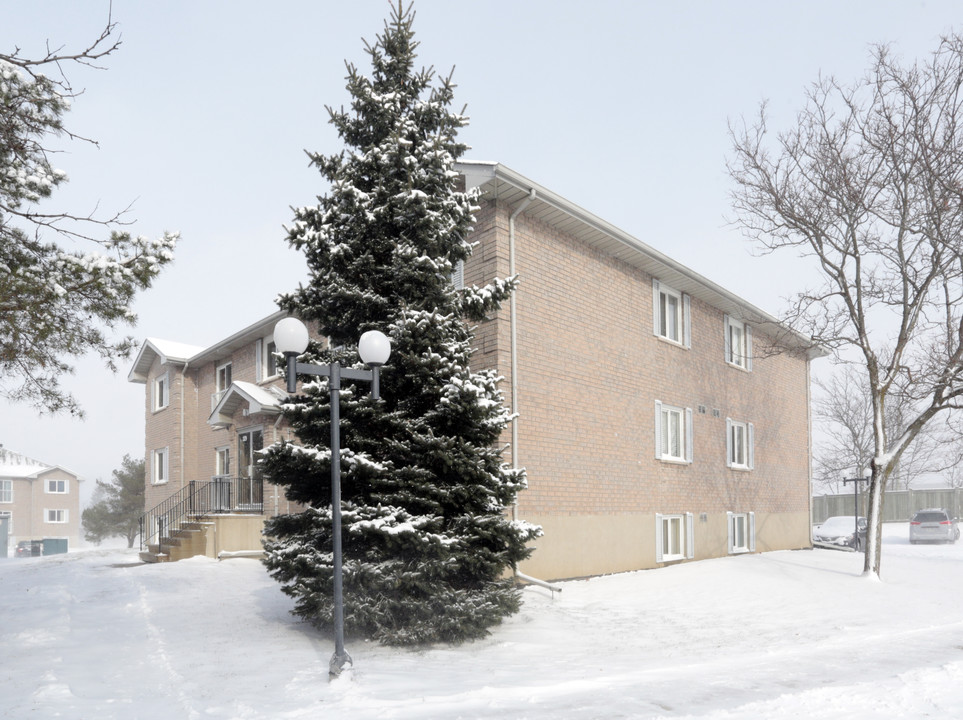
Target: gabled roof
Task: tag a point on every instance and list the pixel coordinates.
(167, 350)
(181, 354)
(259, 400)
(501, 183)
(15, 465)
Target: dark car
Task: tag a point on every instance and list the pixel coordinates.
(933, 525)
(841, 531)
(29, 548)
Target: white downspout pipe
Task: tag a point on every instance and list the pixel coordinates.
(183, 400)
(513, 328)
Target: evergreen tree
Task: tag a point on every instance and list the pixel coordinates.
(427, 541)
(58, 301)
(117, 505)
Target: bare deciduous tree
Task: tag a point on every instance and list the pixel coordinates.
(869, 183)
(843, 406)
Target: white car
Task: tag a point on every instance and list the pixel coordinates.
(841, 531)
(933, 525)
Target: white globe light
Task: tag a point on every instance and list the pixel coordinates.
(290, 336)
(374, 348)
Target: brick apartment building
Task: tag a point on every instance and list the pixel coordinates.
(660, 417)
(38, 501)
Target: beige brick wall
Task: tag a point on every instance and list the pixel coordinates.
(194, 458)
(31, 502)
(589, 372)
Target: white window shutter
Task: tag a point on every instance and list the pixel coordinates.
(729, 531)
(258, 360)
(752, 532)
(728, 442)
(686, 322)
(750, 449)
(688, 435)
(658, 430)
(658, 537)
(153, 394)
(748, 348)
(655, 307)
(689, 535)
(458, 275)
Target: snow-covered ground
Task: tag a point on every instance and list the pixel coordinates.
(94, 634)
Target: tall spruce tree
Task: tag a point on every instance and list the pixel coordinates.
(427, 540)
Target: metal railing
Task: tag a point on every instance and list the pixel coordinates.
(222, 494)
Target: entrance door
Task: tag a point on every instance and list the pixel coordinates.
(249, 442)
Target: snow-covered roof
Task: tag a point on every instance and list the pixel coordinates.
(259, 400)
(181, 353)
(497, 181)
(16, 465)
(167, 350)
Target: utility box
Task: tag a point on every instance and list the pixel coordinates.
(54, 546)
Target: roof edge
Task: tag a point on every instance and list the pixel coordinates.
(478, 173)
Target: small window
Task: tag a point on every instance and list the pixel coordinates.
(674, 537)
(223, 379)
(57, 487)
(671, 314)
(742, 532)
(738, 343)
(159, 467)
(6, 491)
(161, 392)
(55, 516)
(266, 363)
(673, 433)
(740, 438)
(222, 382)
(222, 465)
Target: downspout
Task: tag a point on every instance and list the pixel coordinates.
(183, 400)
(513, 327)
(809, 419)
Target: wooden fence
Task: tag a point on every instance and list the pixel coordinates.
(898, 506)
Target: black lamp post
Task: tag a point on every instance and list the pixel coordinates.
(856, 481)
(291, 339)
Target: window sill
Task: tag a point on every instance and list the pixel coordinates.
(670, 341)
(736, 366)
(674, 461)
(740, 468)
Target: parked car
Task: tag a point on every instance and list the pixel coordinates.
(841, 531)
(29, 548)
(934, 525)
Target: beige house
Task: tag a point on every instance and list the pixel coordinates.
(660, 417)
(38, 501)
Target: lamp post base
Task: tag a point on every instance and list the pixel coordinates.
(338, 661)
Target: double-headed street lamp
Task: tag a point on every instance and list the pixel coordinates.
(291, 339)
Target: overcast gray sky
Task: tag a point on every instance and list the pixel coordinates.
(622, 107)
